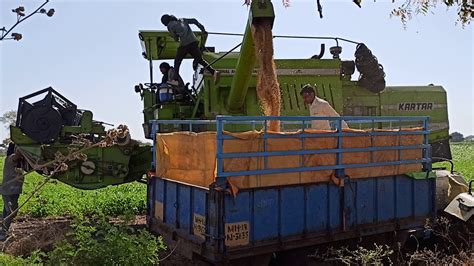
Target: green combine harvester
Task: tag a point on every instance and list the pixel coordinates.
(236, 95)
(50, 124)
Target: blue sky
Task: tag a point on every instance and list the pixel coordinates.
(89, 50)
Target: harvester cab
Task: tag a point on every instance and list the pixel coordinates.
(166, 101)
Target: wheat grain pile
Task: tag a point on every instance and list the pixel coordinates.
(268, 89)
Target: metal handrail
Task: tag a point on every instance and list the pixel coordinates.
(304, 121)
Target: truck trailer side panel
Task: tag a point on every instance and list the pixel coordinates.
(218, 226)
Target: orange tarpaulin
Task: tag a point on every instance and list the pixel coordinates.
(187, 157)
(191, 157)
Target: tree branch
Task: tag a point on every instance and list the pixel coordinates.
(5, 32)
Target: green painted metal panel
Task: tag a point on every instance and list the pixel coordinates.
(18, 137)
(262, 9)
(159, 45)
(418, 101)
(243, 73)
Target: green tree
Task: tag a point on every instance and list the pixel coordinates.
(469, 138)
(410, 8)
(415, 7)
(456, 137)
(20, 17)
(8, 118)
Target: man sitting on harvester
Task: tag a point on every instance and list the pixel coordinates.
(172, 85)
(170, 76)
(318, 107)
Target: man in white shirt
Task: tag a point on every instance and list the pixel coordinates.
(318, 107)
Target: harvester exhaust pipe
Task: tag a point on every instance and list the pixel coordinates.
(321, 52)
(260, 10)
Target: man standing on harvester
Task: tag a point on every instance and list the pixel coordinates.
(318, 107)
(188, 43)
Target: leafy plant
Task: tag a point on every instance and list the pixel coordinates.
(451, 244)
(95, 241)
(6, 259)
(379, 255)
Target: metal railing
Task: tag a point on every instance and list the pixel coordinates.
(304, 123)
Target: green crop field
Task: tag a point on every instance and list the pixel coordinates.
(463, 159)
(57, 199)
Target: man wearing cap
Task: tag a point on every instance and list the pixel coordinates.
(318, 107)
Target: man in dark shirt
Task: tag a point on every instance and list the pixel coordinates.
(12, 186)
(170, 76)
(188, 43)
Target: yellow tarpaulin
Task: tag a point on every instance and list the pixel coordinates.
(191, 157)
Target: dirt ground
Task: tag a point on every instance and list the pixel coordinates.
(28, 234)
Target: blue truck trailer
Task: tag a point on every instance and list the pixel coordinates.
(218, 224)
